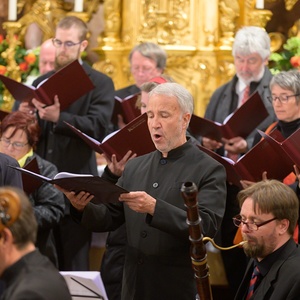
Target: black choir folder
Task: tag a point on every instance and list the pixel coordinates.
(241, 123)
(126, 108)
(69, 84)
(272, 154)
(103, 190)
(135, 136)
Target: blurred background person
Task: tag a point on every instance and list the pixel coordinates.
(91, 114)
(46, 64)
(285, 98)
(19, 136)
(147, 60)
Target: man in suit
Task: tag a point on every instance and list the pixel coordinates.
(251, 50)
(268, 217)
(91, 114)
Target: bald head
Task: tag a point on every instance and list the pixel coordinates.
(47, 57)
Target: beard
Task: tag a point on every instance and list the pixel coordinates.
(253, 249)
(62, 59)
(247, 77)
(260, 248)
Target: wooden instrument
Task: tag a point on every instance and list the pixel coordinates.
(10, 207)
(198, 253)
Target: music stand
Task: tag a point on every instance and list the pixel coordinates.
(85, 285)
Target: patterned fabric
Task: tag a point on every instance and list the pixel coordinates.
(246, 94)
(253, 282)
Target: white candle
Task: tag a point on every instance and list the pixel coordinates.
(12, 10)
(260, 4)
(78, 5)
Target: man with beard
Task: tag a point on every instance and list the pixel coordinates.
(268, 216)
(91, 114)
(251, 50)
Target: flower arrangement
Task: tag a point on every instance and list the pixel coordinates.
(26, 60)
(288, 58)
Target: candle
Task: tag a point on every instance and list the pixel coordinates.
(12, 10)
(260, 4)
(78, 5)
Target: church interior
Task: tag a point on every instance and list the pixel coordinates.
(196, 34)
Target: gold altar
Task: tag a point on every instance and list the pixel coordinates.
(197, 35)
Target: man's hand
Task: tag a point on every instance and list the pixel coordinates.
(235, 145)
(79, 201)
(48, 113)
(211, 144)
(247, 183)
(140, 202)
(27, 108)
(117, 167)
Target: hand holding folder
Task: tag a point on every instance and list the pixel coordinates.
(69, 84)
(103, 190)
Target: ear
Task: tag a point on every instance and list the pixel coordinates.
(186, 120)
(83, 45)
(266, 61)
(283, 226)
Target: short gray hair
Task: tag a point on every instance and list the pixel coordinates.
(151, 51)
(287, 80)
(172, 89)
(252, 39)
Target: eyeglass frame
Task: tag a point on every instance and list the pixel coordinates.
(16, 145)
(273, 99)
(67, 44)
(234, 219)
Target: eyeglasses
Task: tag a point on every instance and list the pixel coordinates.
(143, 69)
(17, 145)
(281, 98)
(68, 44)
(237, 221)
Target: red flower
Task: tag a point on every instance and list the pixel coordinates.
(23, 66)
(2, 70)
(295, 61)
(30, 58)
(1, 38)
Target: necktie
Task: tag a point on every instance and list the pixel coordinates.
(253, 281)
(246, 94)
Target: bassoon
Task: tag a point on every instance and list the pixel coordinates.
(198, 253)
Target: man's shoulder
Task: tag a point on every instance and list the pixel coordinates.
(95, 73)
(6, 160)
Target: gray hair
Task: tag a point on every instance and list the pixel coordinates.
(172, 89)
(252, 39)
(287, 80)
(151, 51)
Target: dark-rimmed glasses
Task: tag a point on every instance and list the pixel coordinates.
(253, 226)
(68, 44)
(281, 98)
